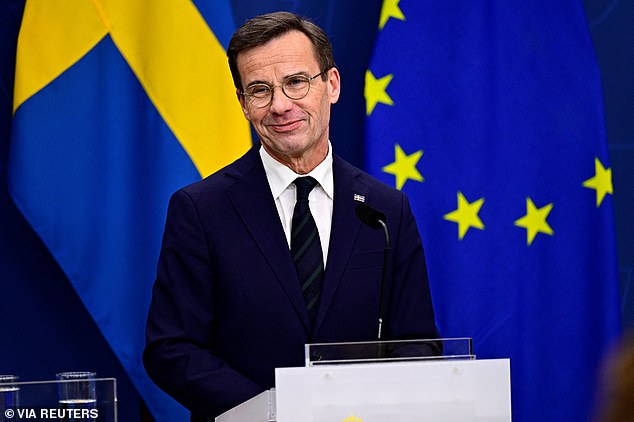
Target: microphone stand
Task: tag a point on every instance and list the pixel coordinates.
(376, 220)
(386, 255)
(381, 352)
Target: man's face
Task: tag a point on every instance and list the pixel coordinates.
(289, 129)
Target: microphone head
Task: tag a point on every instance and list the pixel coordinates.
(369, 216)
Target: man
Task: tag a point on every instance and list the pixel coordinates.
(235, 295)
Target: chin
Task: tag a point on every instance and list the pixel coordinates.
(291, 146)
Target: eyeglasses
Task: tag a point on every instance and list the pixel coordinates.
(294, 87)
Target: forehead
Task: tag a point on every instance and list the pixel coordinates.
(284, 55)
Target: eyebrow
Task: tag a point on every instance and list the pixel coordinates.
(261, 82)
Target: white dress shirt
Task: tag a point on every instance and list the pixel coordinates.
(281, 178)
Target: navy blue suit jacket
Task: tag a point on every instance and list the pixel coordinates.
(227, 307)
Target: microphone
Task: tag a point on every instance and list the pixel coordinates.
(370, 216)
(376, 220)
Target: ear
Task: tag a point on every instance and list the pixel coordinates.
(243, 105)
(334, 84)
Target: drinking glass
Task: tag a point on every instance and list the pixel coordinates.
(9, 397)
(76, 390)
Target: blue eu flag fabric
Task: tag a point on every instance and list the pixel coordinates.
(489, 116)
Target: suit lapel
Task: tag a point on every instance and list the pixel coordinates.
(252, 199)
(345, 227)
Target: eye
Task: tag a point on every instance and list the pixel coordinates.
(295, 82)
(258, 90)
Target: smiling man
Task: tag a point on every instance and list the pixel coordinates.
(267, 254)
(292, 125)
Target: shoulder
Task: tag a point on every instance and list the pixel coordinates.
(379, 191)
(246, 167)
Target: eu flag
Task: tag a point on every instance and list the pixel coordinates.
(117, 104)
(489, 116)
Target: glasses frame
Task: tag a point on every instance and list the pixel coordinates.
(272, 88)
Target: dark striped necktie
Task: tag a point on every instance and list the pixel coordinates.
(306, 247)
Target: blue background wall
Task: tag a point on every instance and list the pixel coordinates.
(44, 328)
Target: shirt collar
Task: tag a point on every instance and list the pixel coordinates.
(280, 176)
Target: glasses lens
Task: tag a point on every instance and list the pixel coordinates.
(296, 87)
(259, 94)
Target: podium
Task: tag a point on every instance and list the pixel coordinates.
(385, 381)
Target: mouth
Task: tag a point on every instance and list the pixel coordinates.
(286, 126)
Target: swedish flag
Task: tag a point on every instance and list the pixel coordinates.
(489, 116)
(117, 104)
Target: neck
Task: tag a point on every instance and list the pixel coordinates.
(304, 163)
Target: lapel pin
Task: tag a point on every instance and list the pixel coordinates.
(359, 198)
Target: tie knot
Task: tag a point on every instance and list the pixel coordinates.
(304, 186)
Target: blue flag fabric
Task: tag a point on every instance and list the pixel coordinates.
(489, 116)
(105, 128)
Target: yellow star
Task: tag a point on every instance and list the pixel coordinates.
(390, 9)
(601, 182)
(404, 166)
(466, 215)
(375, 91)
(535, 220)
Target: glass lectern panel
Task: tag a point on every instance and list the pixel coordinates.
(70, 400)
(385, 351)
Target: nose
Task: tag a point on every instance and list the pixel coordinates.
(280, 103)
